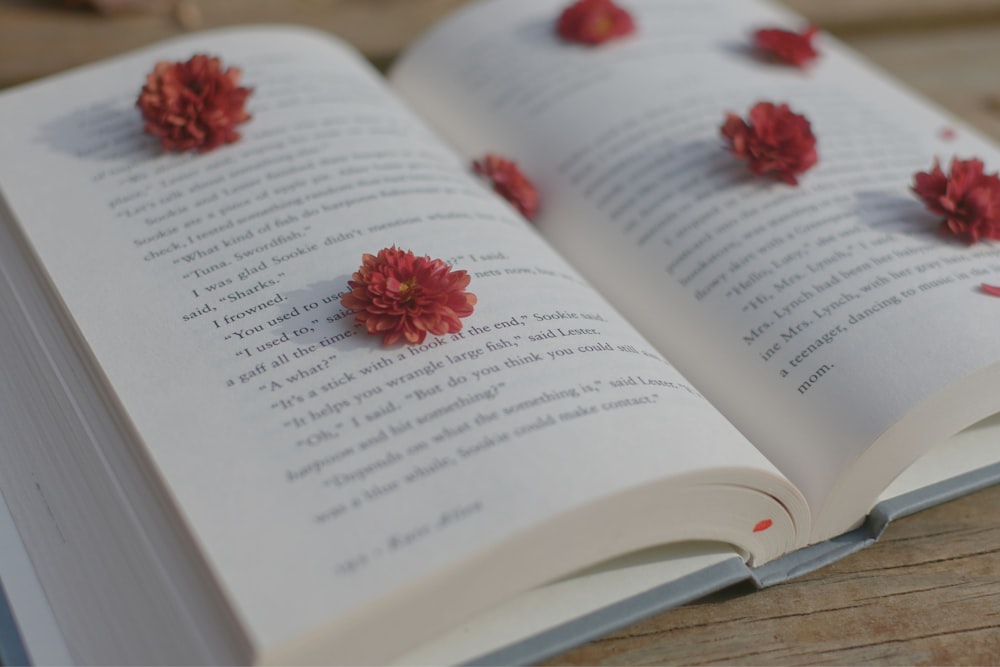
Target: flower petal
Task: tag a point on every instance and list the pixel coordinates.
(594, 22)
(510, 183)
(193, 105)
(786, 46)
(404, 297)
(967, 198)
(775, 142)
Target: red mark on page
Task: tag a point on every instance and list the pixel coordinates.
(763, 525)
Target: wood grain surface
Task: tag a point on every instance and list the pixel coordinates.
(929, 591)
(39, 37)
(850, 16)
(958, 67)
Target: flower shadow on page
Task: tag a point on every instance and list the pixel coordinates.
(747, 52)
(304, 320)
(890, 213)
(727, 172)
(721, 173)
(108, 131)
(666, 159)
(536, 32)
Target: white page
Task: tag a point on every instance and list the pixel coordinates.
(563, 601)
(206, 287)
(965, 452)
(815, 317)
(36, 623)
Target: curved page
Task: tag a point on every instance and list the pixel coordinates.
(815, 317)
(331, 482)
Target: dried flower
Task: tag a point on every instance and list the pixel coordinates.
(405, 297)
(193, 105)
(992, 290)
(968, 199)
(594, 22)
(510, 183)
(776, 141)
(787, 46)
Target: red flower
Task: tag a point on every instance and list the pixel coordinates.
(510, 183)
(594, 22)
(777, 141)
(405, 297)
(194, 104)
(786, 46)
(968, 199)
(992, 290)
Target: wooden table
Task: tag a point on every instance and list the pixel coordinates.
(929, 592)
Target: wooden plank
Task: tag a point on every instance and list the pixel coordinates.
(955, 67)
(845, 16)
(927, 593)
(29, 31)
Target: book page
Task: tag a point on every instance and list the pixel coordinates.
(550, 608)
(973, 449)
(335, 486)
(27, 625)
(815, 317)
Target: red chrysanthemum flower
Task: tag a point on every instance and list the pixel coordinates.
(510, 183)
(776, 141)
(968, 199)
(405, 297)
(594, 22)
(193, 105)
(787, 46)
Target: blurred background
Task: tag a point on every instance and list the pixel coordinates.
(947, 49)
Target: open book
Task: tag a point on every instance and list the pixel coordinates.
(680, 369)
